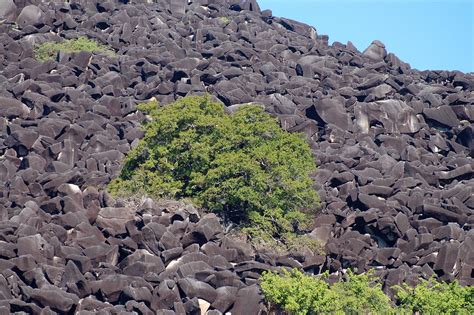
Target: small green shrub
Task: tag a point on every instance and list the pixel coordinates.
(300, 294)
(242, 166)
(435, 297)
(49, 50)
(224, 20)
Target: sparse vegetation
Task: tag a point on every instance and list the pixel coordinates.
(224, 20)
(49, 50)
(242, 166)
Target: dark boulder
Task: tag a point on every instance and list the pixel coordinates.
(194, 288)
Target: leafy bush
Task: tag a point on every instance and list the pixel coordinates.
(49, 50)
(361, 294)
(300, 294)
(297, 293)
(434, 297)
(242, 166)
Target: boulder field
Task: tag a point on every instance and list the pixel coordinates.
(394, 147)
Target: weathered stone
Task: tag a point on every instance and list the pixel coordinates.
(55, 298)
(7, 9)
(447, 258)
(376, 51)
(194, 288)
(443, 115)
(395, 116)
(11, 108)
(247, 301)
(332, 111)
(114, 219)
(30, 15)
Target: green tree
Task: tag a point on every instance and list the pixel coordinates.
(241, 165)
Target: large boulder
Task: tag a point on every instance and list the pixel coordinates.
(114, 219)
(331, 111)
(7, 9)
(376, 51)
(30, 15)
(395, 116)
(12, 108)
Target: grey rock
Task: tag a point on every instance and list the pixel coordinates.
(11, 108)
(247, 301)
(114, 219)
(30, 15)
(376, 51)
(194, 288)
(443, 115)
(7, 9)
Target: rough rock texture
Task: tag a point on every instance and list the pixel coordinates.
(394, 147)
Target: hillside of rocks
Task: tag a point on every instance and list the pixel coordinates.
(393, 145)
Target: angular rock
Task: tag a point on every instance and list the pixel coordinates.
(114, 219)
(443, 115)
(53, 297)
(194, 288)
(11, 108)
(332, 111)
(376, 51)
(247, 301)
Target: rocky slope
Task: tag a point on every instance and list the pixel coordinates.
(394, 147)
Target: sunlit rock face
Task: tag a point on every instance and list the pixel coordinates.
(392, 115)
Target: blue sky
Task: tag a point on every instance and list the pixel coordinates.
(437, 34)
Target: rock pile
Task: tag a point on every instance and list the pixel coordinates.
(394, 147)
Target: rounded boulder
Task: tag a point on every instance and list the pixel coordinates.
(30, 15)
(7, 9)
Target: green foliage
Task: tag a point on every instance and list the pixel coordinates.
(435, 297)
(49, 50)
(361, 294)
(300, 294)
(297, 293)
(242, 166)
